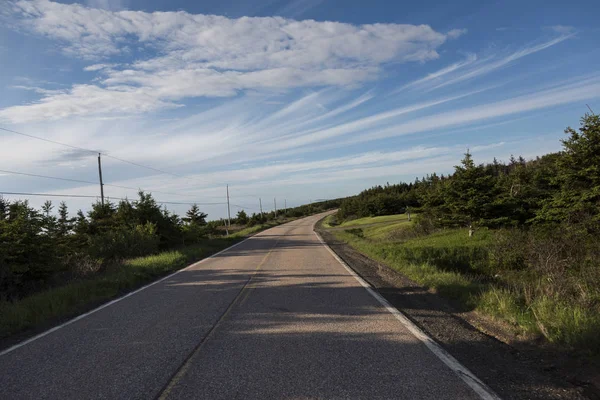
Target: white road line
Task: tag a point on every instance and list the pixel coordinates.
(484, 391)
(69, 322)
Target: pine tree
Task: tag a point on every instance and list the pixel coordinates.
(578, 175)
(49, 220)
(469, 194)
(65, 224)
(195, 217)
(242, 217)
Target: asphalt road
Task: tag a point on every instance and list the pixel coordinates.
(275, 317)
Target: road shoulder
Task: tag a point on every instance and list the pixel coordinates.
(512, 372)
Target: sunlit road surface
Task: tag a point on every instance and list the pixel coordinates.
(275, 317)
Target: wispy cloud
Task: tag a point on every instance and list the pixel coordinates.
(297, 8)
(474, 67)
(560, 94)
(563, 29)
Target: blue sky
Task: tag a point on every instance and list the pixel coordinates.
(299, 100)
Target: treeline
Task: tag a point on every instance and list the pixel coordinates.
(556, 188)
(47, 247)
(534, 257)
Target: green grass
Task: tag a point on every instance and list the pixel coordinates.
(375, 220)
(385, 230)
(69, 300)
(458, 267)
(257, 228)
(43, 308)
(329, 221)
(452, 238)
(457, 286)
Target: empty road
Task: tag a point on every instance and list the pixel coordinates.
(275, 317)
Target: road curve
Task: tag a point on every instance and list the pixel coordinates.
(275, 317)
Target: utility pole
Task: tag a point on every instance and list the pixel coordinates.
(228, 211)
(275, 203)
(260, 203)
(100, 174)
(285, 206)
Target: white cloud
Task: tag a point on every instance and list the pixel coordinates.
(85, 100)
(438, 75)
(473, 66)
(455, 33)
(195, 55)
(98, 67)
(557, 95)
(563, 29)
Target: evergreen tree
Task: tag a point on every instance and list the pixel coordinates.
(49, 220)
(65, 224)
(469, 194)
(578, 175)
(195, 217)
(242, 217)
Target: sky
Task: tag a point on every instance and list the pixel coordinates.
(297, 100)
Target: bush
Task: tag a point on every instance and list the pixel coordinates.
(123, 242)
(508, 251)
(358, 232)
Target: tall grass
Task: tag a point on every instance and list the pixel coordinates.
(557, 300)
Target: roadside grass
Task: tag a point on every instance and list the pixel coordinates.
(45, 308)
(76, 297)
(385, 230)
(375, 220)
(257, 228)
(329, 222)
(460, 288)
(458, 267)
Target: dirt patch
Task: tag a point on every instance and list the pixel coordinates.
(488, 348)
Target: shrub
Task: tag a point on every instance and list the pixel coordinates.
(124, 242)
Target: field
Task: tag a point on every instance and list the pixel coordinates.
(463, 269)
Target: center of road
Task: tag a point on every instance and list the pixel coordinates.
(240, 298)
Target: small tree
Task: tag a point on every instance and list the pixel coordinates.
(469, 194)
(49, 220)
(65, 224)
(578, 176)
(195, 217)
(242, 217)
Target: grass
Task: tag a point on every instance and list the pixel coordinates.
(257, 228)
(329, 221)
(451, 284)
(385, 230)
(452, 238)
(46, 307)
(458, 267)
(69, 300)
(375, 220)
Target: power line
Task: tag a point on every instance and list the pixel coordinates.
(48, 140)
(93, 151)
(47, 177)
(112, 185)
(144, 166)
(93, 183)
(244, 207)
(50, 195)
(95, 197)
